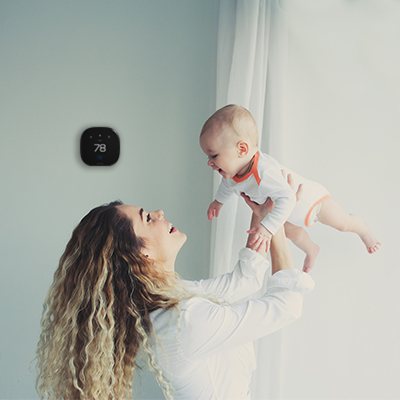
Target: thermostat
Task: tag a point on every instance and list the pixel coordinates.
(100, 146)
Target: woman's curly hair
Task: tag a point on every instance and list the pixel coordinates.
(96, 313)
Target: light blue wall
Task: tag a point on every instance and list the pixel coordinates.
(145, 68)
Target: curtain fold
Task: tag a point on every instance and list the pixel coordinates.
(251, 72)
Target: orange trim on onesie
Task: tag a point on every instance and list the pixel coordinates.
(254, 171)
(306, 223)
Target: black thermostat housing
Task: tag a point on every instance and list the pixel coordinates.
(100, 146)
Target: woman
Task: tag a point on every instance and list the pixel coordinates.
(116, 292)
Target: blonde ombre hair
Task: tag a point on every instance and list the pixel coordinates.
(96, 313)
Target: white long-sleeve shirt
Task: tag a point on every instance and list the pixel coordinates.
(208, 353)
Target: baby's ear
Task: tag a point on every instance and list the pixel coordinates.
(243, 148)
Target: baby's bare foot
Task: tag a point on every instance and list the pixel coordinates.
(364, 231)
(371, 242)
(309, 261)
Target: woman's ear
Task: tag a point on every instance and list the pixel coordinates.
(148, 253)
(145, 253)
(243, 148)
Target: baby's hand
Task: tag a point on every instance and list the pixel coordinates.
(213, 209)
(262, 237)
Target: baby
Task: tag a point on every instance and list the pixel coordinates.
(230, 140)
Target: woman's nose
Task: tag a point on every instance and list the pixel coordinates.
(159, 214)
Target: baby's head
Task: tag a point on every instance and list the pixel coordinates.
(229, 138)
(234, 123)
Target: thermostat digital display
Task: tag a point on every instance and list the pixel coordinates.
(100, 146)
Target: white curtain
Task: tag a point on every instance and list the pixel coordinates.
(251, 71)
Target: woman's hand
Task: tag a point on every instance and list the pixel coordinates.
(259, 210)
(259, 213)
(261, 238)
(289, 179)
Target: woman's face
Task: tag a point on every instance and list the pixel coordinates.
(162, 240)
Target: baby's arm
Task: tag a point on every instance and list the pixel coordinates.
(224, 193)
(214, 209)
(274, 185)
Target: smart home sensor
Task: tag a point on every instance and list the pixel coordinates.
(100, 146)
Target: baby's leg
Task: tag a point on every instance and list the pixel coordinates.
(332, 214)
(300, 238)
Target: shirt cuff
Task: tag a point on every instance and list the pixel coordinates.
(221, 199)
(291, 279)
(268, 227)
(252, 260)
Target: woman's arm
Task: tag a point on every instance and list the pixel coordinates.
(281, 257)
(246, 278)
(248, 274)
(214, 328)
(259, 212)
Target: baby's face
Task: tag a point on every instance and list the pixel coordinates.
(222, 153)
